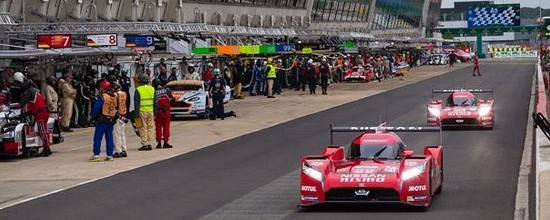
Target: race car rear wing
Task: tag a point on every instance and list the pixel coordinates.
(384, 128)
(462, 90)
(435, 91)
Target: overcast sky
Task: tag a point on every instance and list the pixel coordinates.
(523, 3)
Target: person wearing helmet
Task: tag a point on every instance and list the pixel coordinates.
(163, 96)
(216, 90)
(259, 78)
(311, 76)
(104, 111)
(144, 106)
(271, 75)
(35, 104)
(191, 73)
(15, 87)
(67, 102)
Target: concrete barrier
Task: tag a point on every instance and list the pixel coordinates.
(542, 153)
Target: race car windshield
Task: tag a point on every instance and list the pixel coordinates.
(184, 87)
(460, 101)
(369, 151)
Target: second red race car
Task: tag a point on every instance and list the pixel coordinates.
(375, 168)
(461, 109)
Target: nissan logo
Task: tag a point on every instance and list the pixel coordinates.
(362, 192)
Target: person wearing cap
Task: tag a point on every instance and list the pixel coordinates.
(191, 73)
(67, 102)
(259, 78)
(163, 96)
(208, 74)
(271, 75)
(104, 112)
(35, 104)
(120, 124)
(144, 106)
(216, 90)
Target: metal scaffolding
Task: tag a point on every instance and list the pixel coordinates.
(140, 27)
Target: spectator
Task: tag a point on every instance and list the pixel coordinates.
(208, 74)
(238, 71)
(104, 112)
(51, 94)
(173, 74)
(191, 74)
(67, 102)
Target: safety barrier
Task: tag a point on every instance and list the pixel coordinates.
(541, 92)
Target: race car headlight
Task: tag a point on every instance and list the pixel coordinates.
(483, 111)
(8, 134)
(434, 111)
(412, 172)
(311, 172)
(194, 99)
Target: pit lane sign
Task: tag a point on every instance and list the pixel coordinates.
(54, 41)
(101, 40)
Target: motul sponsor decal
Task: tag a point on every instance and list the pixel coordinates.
(309, 188)
(418, 188)
(362, 178)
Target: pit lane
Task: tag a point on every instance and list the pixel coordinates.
(255, 176)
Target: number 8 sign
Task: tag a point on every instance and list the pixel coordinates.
(99, 40)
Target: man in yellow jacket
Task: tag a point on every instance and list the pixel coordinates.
(144, 107)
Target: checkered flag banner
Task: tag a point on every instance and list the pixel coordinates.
(493, 16)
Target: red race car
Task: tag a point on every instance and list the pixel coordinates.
(461, 109)
(375, 168)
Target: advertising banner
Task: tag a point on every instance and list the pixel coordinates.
(495, 15)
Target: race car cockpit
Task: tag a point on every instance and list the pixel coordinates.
(460, 100)
(372, 151)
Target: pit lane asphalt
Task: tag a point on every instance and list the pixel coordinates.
(255, 176)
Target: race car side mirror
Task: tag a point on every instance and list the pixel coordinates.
(407, 153)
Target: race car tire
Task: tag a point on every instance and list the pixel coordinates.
(27, 152)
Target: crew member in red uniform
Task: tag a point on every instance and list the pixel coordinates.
(476, 66)
(163, 96)
(34, 103)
